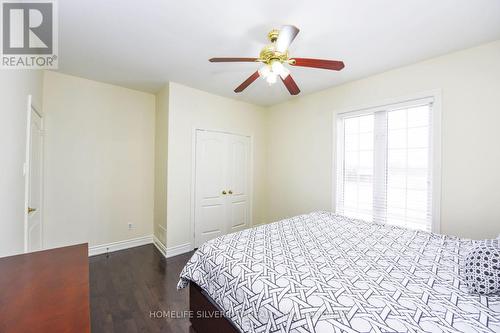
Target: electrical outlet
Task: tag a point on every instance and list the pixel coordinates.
(130, 226)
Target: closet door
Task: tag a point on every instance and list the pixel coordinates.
(211, 185)
(222, 184)
(238, 197)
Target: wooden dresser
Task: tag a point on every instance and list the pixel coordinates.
(46, 291)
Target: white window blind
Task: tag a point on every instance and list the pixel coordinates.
(384, 164)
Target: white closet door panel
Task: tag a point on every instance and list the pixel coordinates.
(211, 180)
(239, 183)
(34, 230)
(238, 219)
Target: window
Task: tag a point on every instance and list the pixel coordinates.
(385, 164)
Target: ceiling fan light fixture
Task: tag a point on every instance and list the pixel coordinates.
(277, 67)
(264, 71)
(281, 70)
(271, 78)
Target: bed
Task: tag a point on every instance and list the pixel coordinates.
(323, 272)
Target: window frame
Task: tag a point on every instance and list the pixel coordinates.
(435, 140)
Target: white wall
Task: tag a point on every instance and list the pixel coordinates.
(100, 150)
(99, 161)
(302, 138)
(189, 109)
(15, 86)
(161, 158)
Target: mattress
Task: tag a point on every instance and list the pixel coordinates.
(323, 272)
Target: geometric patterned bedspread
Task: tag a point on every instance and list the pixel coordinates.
(323, 272)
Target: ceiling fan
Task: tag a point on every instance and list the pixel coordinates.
(275, 55)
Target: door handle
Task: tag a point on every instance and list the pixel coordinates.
(224, 192)
(31, 210)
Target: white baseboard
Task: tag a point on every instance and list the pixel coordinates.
(121, 245)
(176, 250)
(171, 251)
(151, 239)
(159, 245)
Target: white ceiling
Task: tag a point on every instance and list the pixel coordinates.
(144, 44)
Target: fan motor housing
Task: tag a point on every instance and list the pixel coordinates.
(269, 54)
(273, 35)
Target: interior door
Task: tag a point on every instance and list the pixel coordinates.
(222, 184)
(35, 149)
(238, 204)
(210, 186)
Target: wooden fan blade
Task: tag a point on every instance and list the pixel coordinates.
(232, 59)
(333, 65)
(247, 82)
(286, 36)
(291, 85)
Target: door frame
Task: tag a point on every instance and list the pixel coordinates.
(193, 177)
(30, 108)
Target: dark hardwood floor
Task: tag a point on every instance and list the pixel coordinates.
(126, 286)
